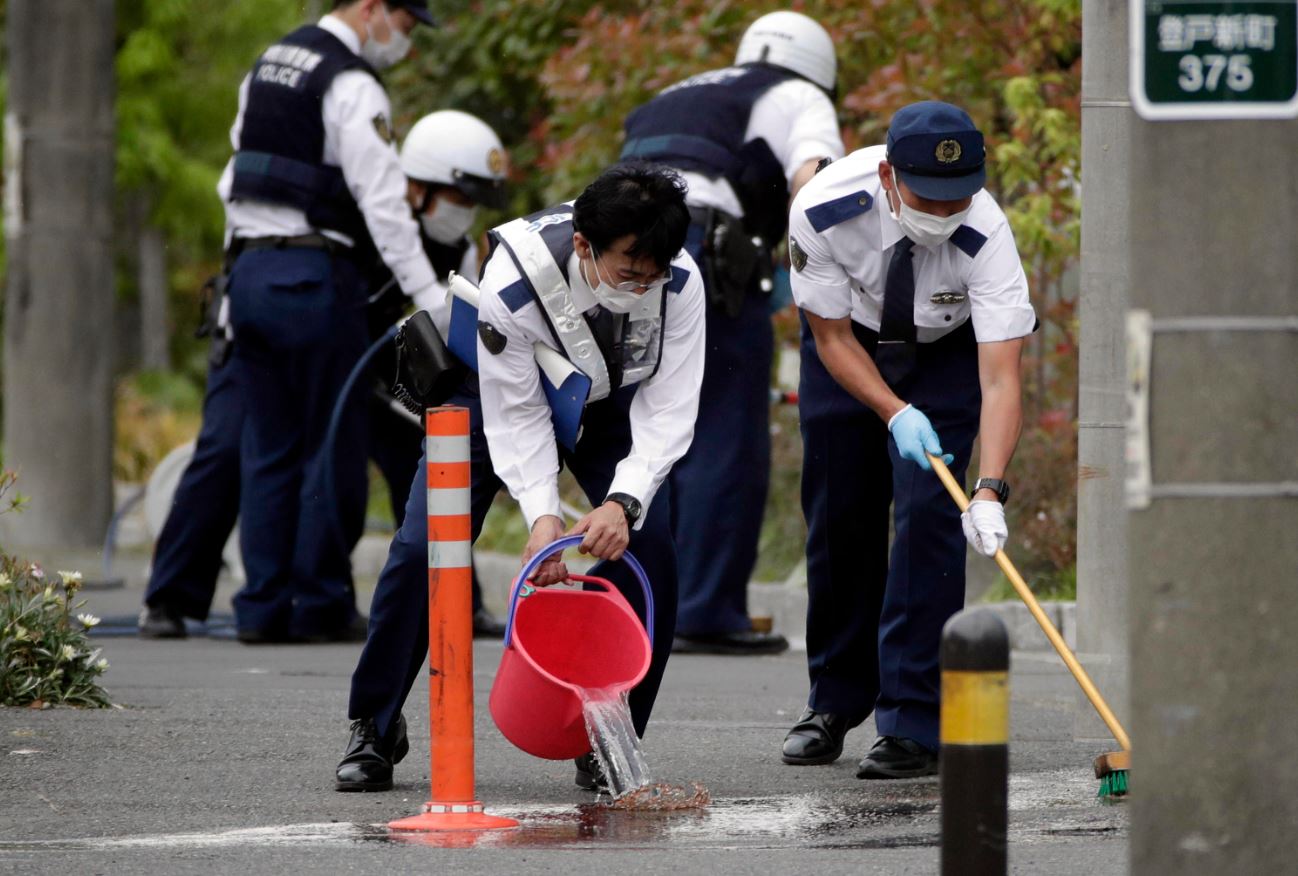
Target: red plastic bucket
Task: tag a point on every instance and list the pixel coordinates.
(558, 642)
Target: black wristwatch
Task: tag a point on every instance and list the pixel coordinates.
(630, 506)
(999, 487)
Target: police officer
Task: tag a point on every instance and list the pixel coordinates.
(454, 162)
(609, 287)
(745, 138)
(314, 187)
(915, 306)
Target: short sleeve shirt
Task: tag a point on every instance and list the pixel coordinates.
(841, 238)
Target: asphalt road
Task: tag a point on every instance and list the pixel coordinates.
(221, 757)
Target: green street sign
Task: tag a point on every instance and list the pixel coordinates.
(1214, 60)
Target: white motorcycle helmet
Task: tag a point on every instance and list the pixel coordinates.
(453, 148)
(793, 41)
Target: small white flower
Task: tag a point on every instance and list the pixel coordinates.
(35, 571)
(88, 620)
(101, 664)
(70, 577)
(20, 633)
(5, 581)
(69, 652)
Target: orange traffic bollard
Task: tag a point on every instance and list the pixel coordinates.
(450, 632)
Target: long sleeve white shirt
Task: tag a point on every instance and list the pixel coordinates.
(352, 105)
(516, 415)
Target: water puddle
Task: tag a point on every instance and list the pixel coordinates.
(618, 752)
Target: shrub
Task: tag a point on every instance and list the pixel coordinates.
(45, 658)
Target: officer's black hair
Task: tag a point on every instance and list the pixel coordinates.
(639, 198)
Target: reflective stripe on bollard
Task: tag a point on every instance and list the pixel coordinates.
(974, 734)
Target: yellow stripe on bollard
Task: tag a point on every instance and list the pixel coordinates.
(975, 708)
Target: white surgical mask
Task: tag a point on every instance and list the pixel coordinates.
(622, 297)
(448, 223)
(384, 55)
(925, 228)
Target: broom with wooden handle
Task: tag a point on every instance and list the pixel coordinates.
(1110, 768)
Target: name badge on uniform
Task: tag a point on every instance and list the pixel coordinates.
(946, 296)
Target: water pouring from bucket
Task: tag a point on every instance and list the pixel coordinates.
(570, 654)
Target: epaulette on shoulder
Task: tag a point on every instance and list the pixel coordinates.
(839, 210)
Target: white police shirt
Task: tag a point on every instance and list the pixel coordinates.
(369, 165)
(840, 267)
(436, 298)
(515, 414)
(797, 120)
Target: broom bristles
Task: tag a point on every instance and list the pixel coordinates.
(1114, 784)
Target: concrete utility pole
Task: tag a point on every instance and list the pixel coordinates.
(58, 422)
(1214, 551)
(1102, 375)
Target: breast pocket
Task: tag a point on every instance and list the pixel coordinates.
(941, 307)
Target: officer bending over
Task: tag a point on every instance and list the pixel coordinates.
(609, 288)
(312, 192)
(915, 307)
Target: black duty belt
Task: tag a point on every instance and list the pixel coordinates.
(301, 241)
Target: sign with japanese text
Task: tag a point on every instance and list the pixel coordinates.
(1214, 60)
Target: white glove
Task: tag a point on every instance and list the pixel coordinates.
(984, 526)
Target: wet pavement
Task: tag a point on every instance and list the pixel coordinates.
(221, 760)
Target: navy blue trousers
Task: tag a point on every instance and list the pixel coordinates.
(719, 487)
(299, 323)
(187, 555)
(398, 634)
(874, 624)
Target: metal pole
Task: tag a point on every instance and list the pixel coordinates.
(1102, 373)
(975, 744)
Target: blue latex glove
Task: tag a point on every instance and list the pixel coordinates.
(915, 437)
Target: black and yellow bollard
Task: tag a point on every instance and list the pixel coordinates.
(975, 759)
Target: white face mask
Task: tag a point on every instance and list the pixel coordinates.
(620, 300)
(384, 55)
(925, 228)
(448, 223)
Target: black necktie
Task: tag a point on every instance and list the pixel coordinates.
(603, 325)
(896, 352)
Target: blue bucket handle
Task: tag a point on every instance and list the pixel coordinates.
(558, 546)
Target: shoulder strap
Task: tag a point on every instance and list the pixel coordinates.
(538, 267)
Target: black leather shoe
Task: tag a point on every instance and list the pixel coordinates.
(817, 738)
(367, 762)
(486, 625)
(895, 757)
(590, 775)
(161, 622)
(738, 643)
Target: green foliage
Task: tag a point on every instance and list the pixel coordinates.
(487, 59)
(45, 658)
(154, 412)
(1056, 586)
(179, 64)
